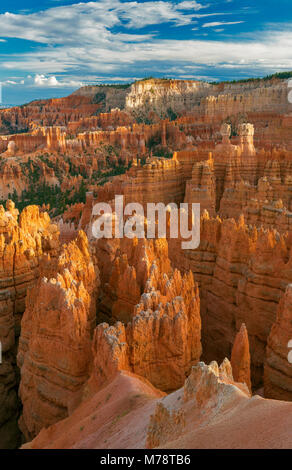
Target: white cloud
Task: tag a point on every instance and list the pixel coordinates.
(266, 52)
(81, 39)
(92, 21)
(12, 82)
(220, 23)
(48, 82)
(204, 15)
(189, 5)
(41, 80)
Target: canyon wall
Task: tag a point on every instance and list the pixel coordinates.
(161, 312)
(197, 109)
(157, 335)
(159, 180)
(278, 367)
(25, 239)
(158, 96)
(242, 273)
(109, 97)
(215, 101)
(242, 265)
(56, 331)
(51, 112)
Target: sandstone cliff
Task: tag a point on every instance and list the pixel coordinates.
(278, 367)
(162, 339)
(25, 239)
(242, 273)
(55, 341)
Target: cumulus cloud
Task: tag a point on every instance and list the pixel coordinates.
(48, 82)
(41, 80)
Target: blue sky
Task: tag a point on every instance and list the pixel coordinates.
(51, 47)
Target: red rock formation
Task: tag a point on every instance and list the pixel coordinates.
(56, 111)
(11, 178)
(55, 138)
(242, 273)
(103, 121)
(16, 175)
(69, 222)
(59, 317)
(278, 367)
(187, 158)
(240, 357)
(245, 181)
(168, 313)
(159, 180)
(208, 388)
(122, 261)
(55, 341)
(23, 242)
(223, 265)
(246, 98)
(201, 188)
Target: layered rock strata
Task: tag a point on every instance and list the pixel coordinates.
(56, 332)
(242, 273)
(162, 337)
(278, 367)
(25, 239)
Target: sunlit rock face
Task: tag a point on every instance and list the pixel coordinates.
(162, 340)
(59, 347)
(160, 335)
(242, 272)
(160, 95)
(25, 239)
(56, 331)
